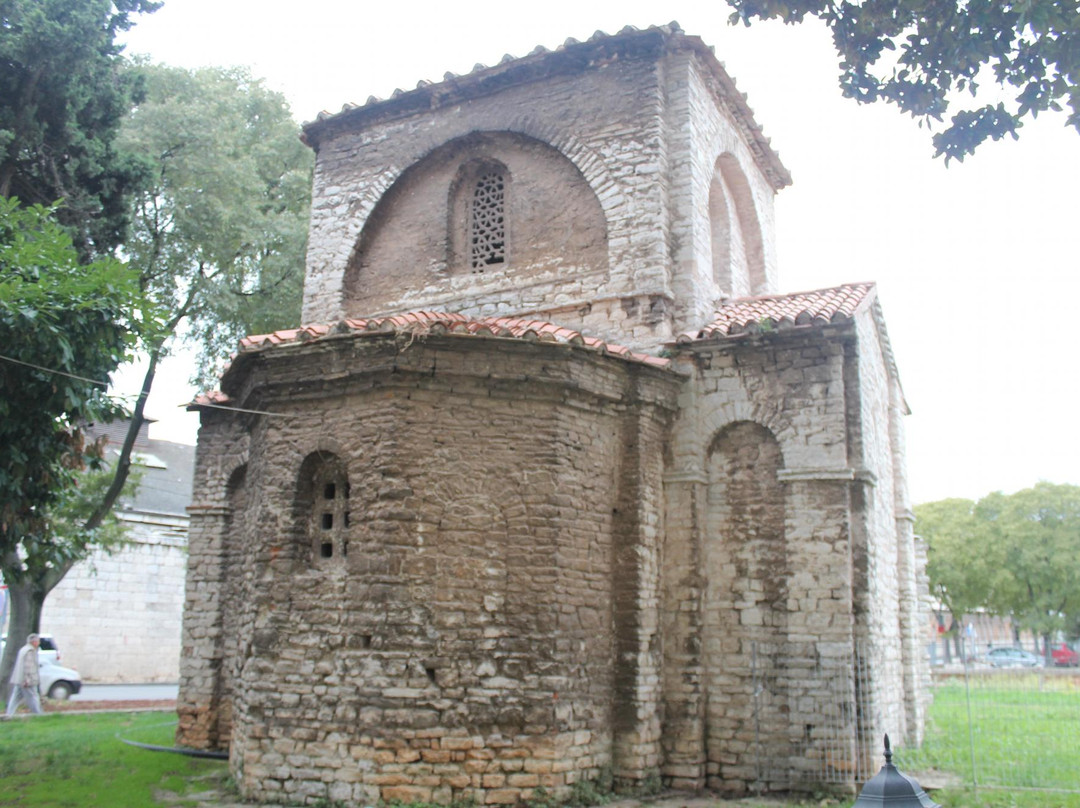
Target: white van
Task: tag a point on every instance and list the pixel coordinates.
(57, 682)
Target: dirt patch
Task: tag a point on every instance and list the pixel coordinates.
(51, 706)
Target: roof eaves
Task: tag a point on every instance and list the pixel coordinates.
(572, 55)
(420, 323)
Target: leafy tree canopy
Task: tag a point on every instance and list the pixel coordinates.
(923, 55)
(1038, 533)
(63, 330)
(1011, 554)
(219, 234)
(63, 95)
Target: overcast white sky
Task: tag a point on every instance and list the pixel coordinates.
(976, 263)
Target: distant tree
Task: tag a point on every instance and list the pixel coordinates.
(959, 566)
(219, 235)
(956, 564)
(63, 95)
(1015, 555)
(922, 55)
(1038, 531)
(64, 327)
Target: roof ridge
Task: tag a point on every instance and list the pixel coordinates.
(788, 295)
(452, 86)
(672, 27)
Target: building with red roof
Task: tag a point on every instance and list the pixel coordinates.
(553, 483)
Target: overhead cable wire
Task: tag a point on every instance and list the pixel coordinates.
(142, 394)
(53, 370)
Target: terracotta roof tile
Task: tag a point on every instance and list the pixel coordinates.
(746, 315)
(419, 322)
(213, 397)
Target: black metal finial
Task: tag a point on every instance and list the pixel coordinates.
(891, 787)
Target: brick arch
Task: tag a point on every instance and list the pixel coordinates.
(766, 414)
(555, 222)
(587, 160)
(237, 521)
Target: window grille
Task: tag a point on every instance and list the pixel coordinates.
(329, 514)
(487, 222)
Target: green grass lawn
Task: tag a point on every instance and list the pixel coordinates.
(1025, 735)
(76, 760)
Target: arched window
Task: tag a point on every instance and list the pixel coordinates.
(324, 500)
(487, 221)
(478, 237)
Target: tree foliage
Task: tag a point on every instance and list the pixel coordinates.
(1016, 555)
(218, 236)
(64, 327)
(925, 55)
(1037, 535)
(63, 330)
(63, 94)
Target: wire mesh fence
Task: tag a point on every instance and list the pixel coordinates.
(986, 727)
(814, 721)
(1016, 728)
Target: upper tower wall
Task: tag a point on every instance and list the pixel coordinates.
(618, 186)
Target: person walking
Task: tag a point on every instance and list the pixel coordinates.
(24, 678)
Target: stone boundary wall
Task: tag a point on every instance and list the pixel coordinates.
(116, 617)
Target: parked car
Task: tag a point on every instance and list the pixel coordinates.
(1065, 656)
(47, 648)
(58, 682)
(1008, 657)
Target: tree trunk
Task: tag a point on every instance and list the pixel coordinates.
(25, 600)
(27, 594)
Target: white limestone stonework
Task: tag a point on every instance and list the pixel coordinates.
(554, 486)
(116, 616)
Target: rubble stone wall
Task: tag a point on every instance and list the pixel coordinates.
(466, 643)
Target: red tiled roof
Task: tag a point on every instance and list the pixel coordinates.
(746, 315)
(211, 399)
(433, 322)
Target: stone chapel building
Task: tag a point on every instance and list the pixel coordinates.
(554, 485)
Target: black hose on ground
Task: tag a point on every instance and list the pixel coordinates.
(177, 750)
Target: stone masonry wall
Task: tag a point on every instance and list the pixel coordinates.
(878, 602)
(622, 124)
(116, 617)
(466, 645)
(204, 704)
(701, 131)
(734, 626)
(605, 122)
